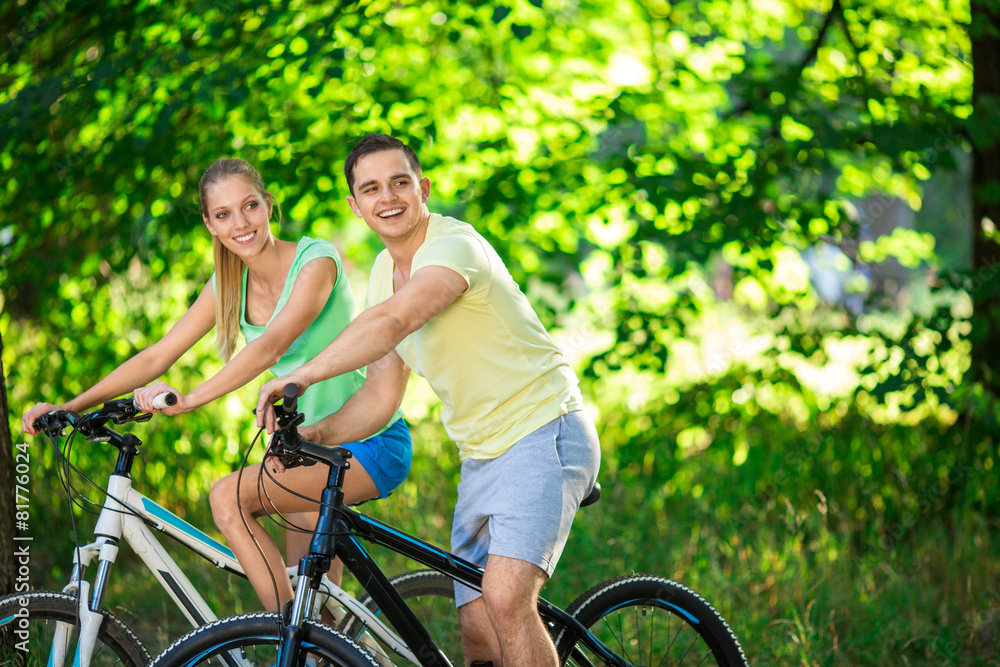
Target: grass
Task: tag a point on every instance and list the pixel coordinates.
(813, 564)
(930, 598)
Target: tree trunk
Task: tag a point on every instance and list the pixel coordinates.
(8, 563)
(985, 288)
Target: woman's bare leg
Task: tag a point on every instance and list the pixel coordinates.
(234, 511)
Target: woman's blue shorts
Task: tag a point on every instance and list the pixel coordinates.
(386, 456)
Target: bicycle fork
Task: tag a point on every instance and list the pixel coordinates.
(291, 631)
(311, 569)
(88, 606)
(89, 603)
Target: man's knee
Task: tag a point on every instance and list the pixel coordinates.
(509, 604)
(510, 589)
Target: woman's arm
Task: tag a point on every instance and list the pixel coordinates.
(145, 366)
(310, 293)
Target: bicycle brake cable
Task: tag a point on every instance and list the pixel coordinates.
(81, 498)
(64, 470)
(246, 524)
(64, 480)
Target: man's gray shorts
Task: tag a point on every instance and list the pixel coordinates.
(522, 503)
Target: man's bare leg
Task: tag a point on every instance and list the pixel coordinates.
(479, 640)
(510, 595)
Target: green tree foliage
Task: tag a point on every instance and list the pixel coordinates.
(8, 562)
(985, 34)
(656, 174)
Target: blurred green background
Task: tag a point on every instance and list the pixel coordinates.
(762, 232)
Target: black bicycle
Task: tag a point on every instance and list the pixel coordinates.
(630, 620)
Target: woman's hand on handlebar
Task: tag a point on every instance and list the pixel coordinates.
(36, 411)
(143, 397)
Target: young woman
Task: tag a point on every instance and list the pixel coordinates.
(289, 300)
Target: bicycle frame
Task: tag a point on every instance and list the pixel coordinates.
(350, 527)
(125, 515)
(339, 533)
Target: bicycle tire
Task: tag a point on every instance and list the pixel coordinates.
(651, 621)
(255, 638)
(431, 596)
(116, 643)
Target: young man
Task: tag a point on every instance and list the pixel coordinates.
(441, 302)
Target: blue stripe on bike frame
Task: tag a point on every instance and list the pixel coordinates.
(7, 620)
(184, 526)
(360, 546)
(420, 545)
(686, 614)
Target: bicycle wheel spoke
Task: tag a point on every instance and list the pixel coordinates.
(618, 636)
(651, 642)
(639, 613)
(666, 655)
(694, 640)
(669, 626)
(707, 655)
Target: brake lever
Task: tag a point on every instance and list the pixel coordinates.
(297, 460)
(290, 458)
(287, 424)
(47, 423)
(50, 430)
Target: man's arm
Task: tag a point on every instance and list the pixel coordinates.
(369, 409)
(372, 335)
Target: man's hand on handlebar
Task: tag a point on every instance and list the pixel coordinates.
(273, 391)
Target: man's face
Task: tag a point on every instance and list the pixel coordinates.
(389, 194)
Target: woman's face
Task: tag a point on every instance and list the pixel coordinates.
(238, 214)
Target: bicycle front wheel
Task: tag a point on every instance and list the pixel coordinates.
(42, 628)
(254, 640)
(651, 621)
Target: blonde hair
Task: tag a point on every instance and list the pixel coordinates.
(229, 267)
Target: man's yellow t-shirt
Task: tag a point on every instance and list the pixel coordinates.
(487, 356)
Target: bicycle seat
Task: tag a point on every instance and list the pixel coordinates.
(593, 496)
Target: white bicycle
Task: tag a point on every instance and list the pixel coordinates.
(72, 627)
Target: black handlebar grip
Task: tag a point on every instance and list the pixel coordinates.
(291, 400)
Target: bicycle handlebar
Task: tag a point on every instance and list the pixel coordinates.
(289, 446)
(119, 411)
(290, 403)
